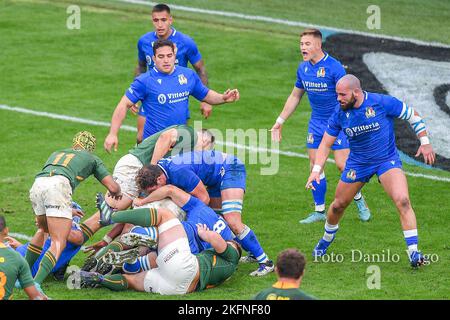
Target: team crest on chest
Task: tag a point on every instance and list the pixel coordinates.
(321, 72)
(182, 79)
(370, 113)
(351, 175)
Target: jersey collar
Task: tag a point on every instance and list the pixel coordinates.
(164, 171)
(284, 285)
(325, 57)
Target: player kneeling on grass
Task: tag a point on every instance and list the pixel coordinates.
(367, 120)
(290, 268)
(176, 270)
(51, 196)
(14, 267)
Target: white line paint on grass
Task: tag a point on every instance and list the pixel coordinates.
(288, 22)
(130, 128)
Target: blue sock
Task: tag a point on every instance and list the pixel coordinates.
(247, 239)
(319, 193)
(412, 239)
(330, 231)
(141, 264)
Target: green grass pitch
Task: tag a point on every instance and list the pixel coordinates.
(83, 73)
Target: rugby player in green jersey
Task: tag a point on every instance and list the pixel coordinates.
(289, 269)
(175, 270)
(173, 140)
(51, 197)
(14, 267)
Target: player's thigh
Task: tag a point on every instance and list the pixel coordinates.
(341, 156)
(136, 281)
(395, 184)
(121, 204)
(345, 192)
(41, 222)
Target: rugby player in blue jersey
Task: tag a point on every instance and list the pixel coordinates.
(317, 76)
(216, 179)
(186, 51)
(368, 121)
(164, 92)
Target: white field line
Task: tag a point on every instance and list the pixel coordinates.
(289, 23)
(130, 128)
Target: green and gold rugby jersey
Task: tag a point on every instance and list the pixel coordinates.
(12, 267)
(215, 268)
(283, 291)
(75, 165)
(186, 141)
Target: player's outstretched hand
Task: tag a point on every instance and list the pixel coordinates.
(429, 156)
(314, 176)
(93, 249)
(111, 141)
(13, 242)
(205, 109)
(276, 132)
(231, 95)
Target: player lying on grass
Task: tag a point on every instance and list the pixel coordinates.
(196, 213)
(177, 271)
(173, 140)
(225, 177)
(368, 120)
(14, 267)
(51, 196)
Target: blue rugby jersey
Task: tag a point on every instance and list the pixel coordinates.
(165, 97)
(319, 81)
(369, 128)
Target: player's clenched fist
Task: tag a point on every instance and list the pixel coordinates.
(231, 95)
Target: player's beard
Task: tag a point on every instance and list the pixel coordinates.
(350, 104)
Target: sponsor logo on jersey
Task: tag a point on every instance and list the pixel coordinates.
(349, 132)
(130, 91)
(162, 98)
(310, 138)
(159, 81)
(182, 79)
(222, 171)
(170, 255)
(306, 69)
(2, 259)
(351, 175)
(321, 72)
(370, 113)
(339, 141)
(347, 114)
(393, 162)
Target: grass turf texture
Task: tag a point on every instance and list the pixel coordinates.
(84, 73)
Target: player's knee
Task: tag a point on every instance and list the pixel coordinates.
(234, 222)
(403, 203)
(338, 206)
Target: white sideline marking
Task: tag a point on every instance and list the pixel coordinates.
(19, 236)
(289, 23)
(130, 128)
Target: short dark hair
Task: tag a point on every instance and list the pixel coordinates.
(312, 32)
(161, 7)
(291, 264)
(2, 223)
(147, 176)
(162, 43)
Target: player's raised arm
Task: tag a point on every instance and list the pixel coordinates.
(166, 140)
(119, 115)
(321, 157)
(289, 107)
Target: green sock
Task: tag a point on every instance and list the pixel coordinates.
(113, 246)
(87, 233)
(115, 282)
(145, 217)
(47, 264)
(33, 253)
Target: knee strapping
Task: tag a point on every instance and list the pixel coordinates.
(234, 205)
